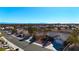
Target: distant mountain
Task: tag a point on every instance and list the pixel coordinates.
(34, 23)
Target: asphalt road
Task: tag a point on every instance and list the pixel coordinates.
(24, 45)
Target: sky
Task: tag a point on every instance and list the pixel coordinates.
(39, 15)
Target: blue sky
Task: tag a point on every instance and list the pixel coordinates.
(39, 15)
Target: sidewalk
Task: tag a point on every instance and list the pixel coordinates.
(11, 44)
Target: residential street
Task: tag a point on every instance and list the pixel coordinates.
(24, 45)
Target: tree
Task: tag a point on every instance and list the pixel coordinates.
(74, 36)
(14, 30)
(31, 30)
(1, 34)
(73, 39)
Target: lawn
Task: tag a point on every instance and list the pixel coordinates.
(2, 49)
